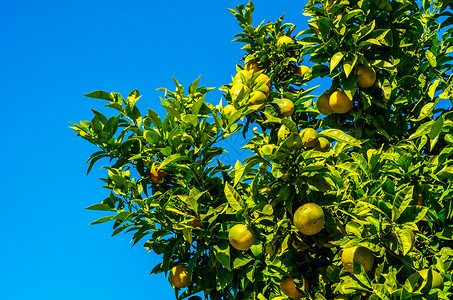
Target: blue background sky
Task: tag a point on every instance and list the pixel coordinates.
(53, 52)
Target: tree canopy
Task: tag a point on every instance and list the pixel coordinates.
(347, 194)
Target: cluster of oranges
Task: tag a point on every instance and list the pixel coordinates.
(251, 87)
(337, 101)
(309, 220)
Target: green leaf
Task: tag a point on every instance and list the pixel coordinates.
(100, 206)
(340, 136)
(155, 119)
(348, 66)
(335, 60)
(222, 253)
(412, 214)
(404, 239)
(426, 111)
(171, 159)
(431, 58)
(432, 89)
(103, 220)
(242, 261)
(193, 86)
(233, 197)
(100, 95)
(224, 278)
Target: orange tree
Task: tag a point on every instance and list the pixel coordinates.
(370, 178)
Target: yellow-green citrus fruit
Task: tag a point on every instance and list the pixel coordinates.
(301, 70)
(322, 145)
(263, 88)
(323, 104)
(288, 287)
(360, 255)
(286, 106)
(179, 276)
(284, 40)
(241, 237)
(367, 76)
(236, 90)
(263, 77)
(339, 102)
(258, 97)
(229, 110)
(437, 281)
(309, 218)
(309, 138)
(252, 65)
(246, 74)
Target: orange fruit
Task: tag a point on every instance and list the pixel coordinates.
(322, 145)
(322, 104)
(236, 90)
(241, 237)
(229, 110)
(263, 77)
(309, 218)
(367, 76)
(155, 175)
(179, 276)
(360, 255)
(308, 136)
(252, 65)
(301, 70)
(288, 287)
(238, 77)
(263, 88)
(283, 40)
(257, 97)
(286, 106)
(339, 102)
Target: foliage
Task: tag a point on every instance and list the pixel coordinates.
(387, 175)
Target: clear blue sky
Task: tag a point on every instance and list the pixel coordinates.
(53, 52)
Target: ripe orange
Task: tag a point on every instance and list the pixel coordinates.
(339, 102)
(236, 90)
(229, 110)
(263, 77)
(360, 255)
(309, 218)
(301, 70)
(238, 78)
(322, 104)
(286, 106)
(322, 145)
(288, 287)
(257, 97)
(155, 175)
(263, 88)
(252, 65)
(179, 276)
(367, 76)
(308, 136)
(284, 40)
(241, 237)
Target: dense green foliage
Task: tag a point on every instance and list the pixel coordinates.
(387, 174)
